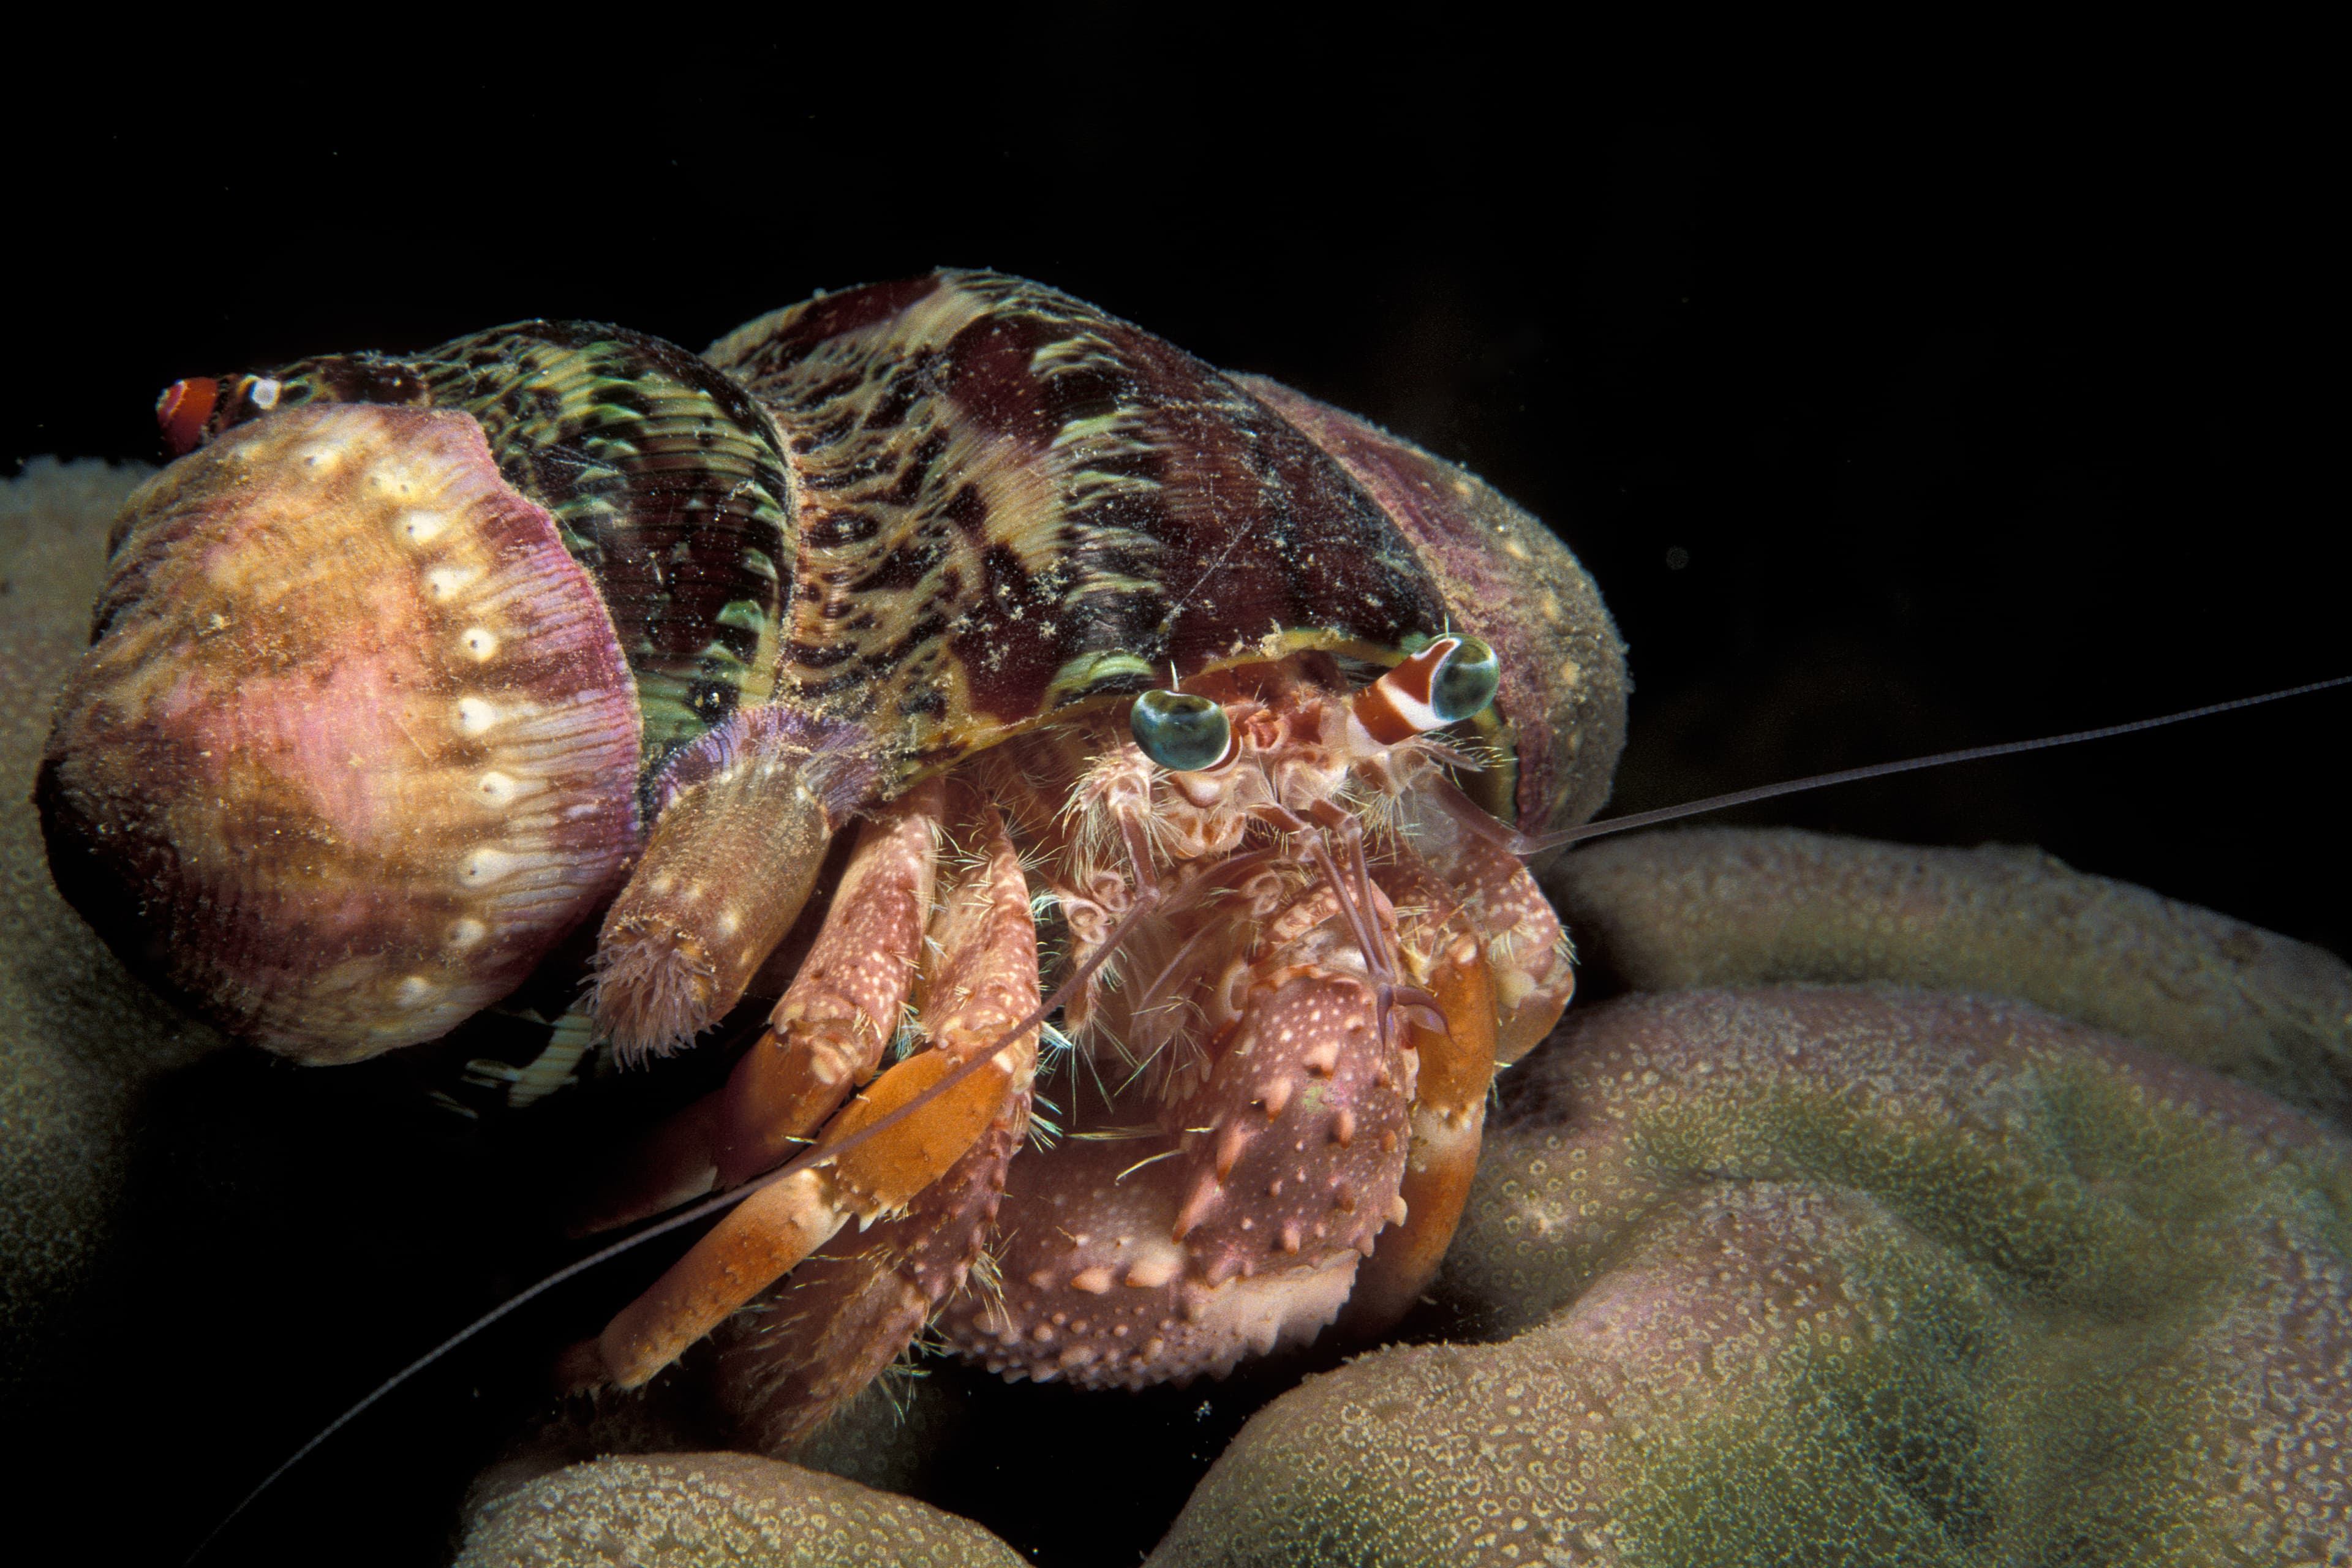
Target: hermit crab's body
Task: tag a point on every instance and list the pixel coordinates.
(903, 615)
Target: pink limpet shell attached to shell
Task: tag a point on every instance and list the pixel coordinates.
(354, 744)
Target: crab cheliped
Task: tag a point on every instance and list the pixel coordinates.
(938, 648)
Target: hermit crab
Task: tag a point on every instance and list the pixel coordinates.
(980, 671)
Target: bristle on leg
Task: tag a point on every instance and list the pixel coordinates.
(746, 816)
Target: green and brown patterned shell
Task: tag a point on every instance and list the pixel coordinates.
(1012, 503)
(945, 509)
(1008, 503)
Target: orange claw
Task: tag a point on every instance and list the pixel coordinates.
(754, 1245)
(984, 981)
(827, 1034)
(1449, 1114)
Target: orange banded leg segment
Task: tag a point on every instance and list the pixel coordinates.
(1449, 1114)
(984, 982)
(827, 1035)
(831, 1327)
(756, 1242)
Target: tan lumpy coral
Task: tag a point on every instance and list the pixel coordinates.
(1666, 911)
(1847, 1277)
(717, 1510)
(78, 1035)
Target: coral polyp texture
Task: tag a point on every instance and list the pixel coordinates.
(78, 1037)
(717, 1510)
(1847, 1276)
(1668, 911)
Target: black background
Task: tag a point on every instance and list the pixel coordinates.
(1887, 423)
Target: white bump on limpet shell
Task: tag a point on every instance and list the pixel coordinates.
(495, 788)
(727, 922)
(420, 525)
(475, 715)
(445, 582)
(414, 991)
(395, 476)
(486, 865)
(478, 642)
(317, 460)
(464, 933)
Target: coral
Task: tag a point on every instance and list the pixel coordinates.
(1846, 1276)
(1665, 911)
(892, 1435)
(78, 1035)
(706, 1510)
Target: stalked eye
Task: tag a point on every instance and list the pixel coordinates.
(1453, 679)
(1464, 682)
(182, 410)
(1182, 732)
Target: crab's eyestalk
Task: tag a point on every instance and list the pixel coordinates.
(1465, 681)
(1451, 679)
(182, 410)
(1182, 732)
(354, 746)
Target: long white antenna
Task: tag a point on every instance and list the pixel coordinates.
(1940, 759)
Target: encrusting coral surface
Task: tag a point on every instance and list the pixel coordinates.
(1666, 911)
(712, 1510)
(1865, 1275)
(77, 1035)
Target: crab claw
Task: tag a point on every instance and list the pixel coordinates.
(958, 1109)
(1136, 1261)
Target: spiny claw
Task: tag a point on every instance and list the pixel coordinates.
(969, 1088)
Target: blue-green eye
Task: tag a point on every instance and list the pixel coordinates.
(1182, 732)
(1466, 682)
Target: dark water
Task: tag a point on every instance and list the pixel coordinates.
(1881, 438)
